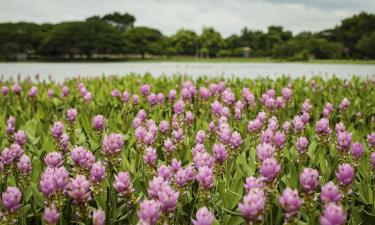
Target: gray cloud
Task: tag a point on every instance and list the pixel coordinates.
(227, 16)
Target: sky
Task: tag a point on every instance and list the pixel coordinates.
(226, 16)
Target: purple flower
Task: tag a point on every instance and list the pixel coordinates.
(253, 205)
(181, 177)
(47, 182)
(164, 127)
(125, 96)
(82, 157)
(235, 140)
(248, 97)
(179, 107)
(333, 215)
(11, 199)
(61, 178)
(306, 106)
(113, 143)
(160, 98)
(176, 165)
(357, 150)
(16, 150)
(305, 117)
(115, 93)
(344, 104)
(204, 93)
(64, 142)
(265, 151)
(71, 115)
(286, 93)
(178, 134)
(16, 88)
(50, 93)
(205, 177)
(302, 144)
(53, 159)
(97, 172)
(98, 217)
(4, 90)
(373, 160)
(254, 125)
(330, 193)
(228, 97)
(64, 91)
(340, 127)
(149, 212)
(200, 137)
(269, 169)
(344, 140)
(135, 99)
(203, 159)
(145, 89)
(165, 172)
(279, 140)
(51, 215)
(189, 117)
(345, 174)
(152, 99)
(204, 217)
(252, 182)
(7, 156)
(122, 184)
(150, 156)
(298, 124)
(79, 189)
(371, 140)
(220, 153)
(33, 91)
(168, 198)
(24, 164)
(169, 146)
(98, 122)
(309, 180)
(57, 130)
(172, 95)
(322, 127)
(155, 185)
(20, 137)
(216, 108)
(290, 202)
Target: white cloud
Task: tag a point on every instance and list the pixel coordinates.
(227, 16)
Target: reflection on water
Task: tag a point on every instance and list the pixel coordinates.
(59, 71)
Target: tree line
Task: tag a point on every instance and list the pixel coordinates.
(115, 34)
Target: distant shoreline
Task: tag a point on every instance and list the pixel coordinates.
(195, 60)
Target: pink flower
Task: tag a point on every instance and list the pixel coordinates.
(51, 215)
(122, 184)
(11, 199)
(79, 189)
(149, 212)
(333, 215)
(345, 174)
(205, 177)
(269, 169)
(98, 217)
(330, 193)
(253, 205)
(309, 180)
(204, 217)
(290, 202)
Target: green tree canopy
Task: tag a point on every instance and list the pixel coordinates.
(142, 40)
(210, 42)
(89, 37)
(185, 42)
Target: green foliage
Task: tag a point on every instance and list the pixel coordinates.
(142, 40)
(37, 116)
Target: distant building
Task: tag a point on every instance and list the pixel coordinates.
(246, 52)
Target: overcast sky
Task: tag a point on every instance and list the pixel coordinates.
(227, 16)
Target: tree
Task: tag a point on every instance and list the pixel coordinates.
(366, 46)
(89, 37)
(210, 42)
(185, 42)
(352, 29)
(122, 22)
(142, 40)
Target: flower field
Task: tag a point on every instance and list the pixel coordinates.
(172, 150)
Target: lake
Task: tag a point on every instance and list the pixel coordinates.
(60, 71)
